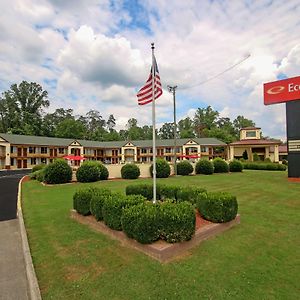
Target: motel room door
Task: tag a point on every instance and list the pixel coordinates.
(19, 164)
(25, 164)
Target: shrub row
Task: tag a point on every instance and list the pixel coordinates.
(179, 194)
(264, 166)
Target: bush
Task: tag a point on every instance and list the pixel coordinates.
(217, 207)
(88, 172)
(190, 194)
(267, 160)
(285, 162)
(58, 172)
(97, 201)
(168, 192)
(38, 167)
(40, 175)
(220, 165)
(184, 168)
(235, 166)
(204, 166)
(82, 200)
(256, 157)
(177, 221)
(163, 169)
(147, 222)
(141, 222)
(103, 171)
(245, 155)
(113, 207)
(130, 171)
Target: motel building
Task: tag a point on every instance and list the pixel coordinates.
(22, 151)
(251, 142)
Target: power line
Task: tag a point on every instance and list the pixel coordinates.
(219, 74)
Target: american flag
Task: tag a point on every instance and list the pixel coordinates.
(144, 95)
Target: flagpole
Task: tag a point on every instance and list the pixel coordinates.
(153, 125)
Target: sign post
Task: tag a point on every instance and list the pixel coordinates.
(288, 91)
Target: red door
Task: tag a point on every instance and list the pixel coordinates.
(19, 152)
(25, 164)
(25, 152)
(51, 152)
(55, 152)
(19, 164)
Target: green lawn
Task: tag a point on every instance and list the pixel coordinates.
(258, 259)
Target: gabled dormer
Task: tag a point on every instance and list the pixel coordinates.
(129, 144)
(191, 143)
(75, 143)
(250, 133)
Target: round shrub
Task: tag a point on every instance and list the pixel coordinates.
(204, 166)
(97, 200)
(38, 167)
(103, 171)
(163, 169)
(88, 172)
(217, 207)
(113, 207)
(141, 222)
(184, 168)
(82, 200)
(220, 165)
(40, 175)
(235, 166)
(177, 221)
(58, 172)
(168, 192)
(130, 171)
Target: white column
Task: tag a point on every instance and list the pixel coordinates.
(276, 153)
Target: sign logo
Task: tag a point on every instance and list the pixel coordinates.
(275, 90)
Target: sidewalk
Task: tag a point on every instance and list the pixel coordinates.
(13, 278)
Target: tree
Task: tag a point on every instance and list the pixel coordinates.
(185, 128)
(167, 131)
(111, 123)
(241, 122)
(204, 118)
(70, 128)
(21, 108)
(134, 132)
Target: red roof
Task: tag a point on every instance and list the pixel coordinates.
(281, 149)
(255, 142)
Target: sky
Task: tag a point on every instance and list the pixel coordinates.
(91, 54)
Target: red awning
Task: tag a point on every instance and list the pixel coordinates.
(73, 157)
(189, 156)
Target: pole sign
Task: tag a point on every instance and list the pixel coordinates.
(282, 91)
(288, 90)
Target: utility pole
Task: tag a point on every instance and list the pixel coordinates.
(172, 89)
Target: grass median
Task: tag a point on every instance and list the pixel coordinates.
(255, 260)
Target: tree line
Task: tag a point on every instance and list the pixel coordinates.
(22, 112)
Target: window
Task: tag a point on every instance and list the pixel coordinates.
(144, 159)
(43, 160)
(33, 161)
(11, 149)
(144, 150)
(44, 150)
(61, 150)
(31, 149)
(204, 149)
(12, 161)
(168, 158)
(168, 150)
(251, 133)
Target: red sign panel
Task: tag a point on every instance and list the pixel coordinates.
(282, 91)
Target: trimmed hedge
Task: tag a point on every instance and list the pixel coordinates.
(88, 172)
(177, 221)
(97, 201)
(58, 172)
(148, 222)
(236, 166)
(144, 189)
(204, 166)
(217, 207)
(168, 192)
(82, 200)
(264, 166)
(220, 165)
(189, 194)
(130, 171)
(184, 168)
(113, 207)
(38, 167)
(140, 222)
(163, 169)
